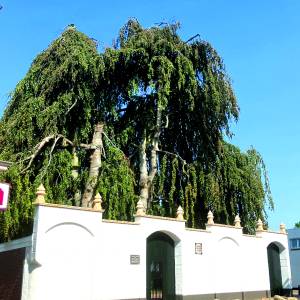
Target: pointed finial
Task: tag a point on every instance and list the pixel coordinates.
(210, 218)
(282, 228)
(179, 214)
(237, 221)
(40, 195)
(140, 209)
(97, 202)
(259, 225)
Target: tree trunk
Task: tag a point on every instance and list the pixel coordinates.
(95, 164)
(153, 158)
(146, 178)
(75, 174)
(144, 190)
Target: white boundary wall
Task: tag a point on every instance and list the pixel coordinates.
(74, 254)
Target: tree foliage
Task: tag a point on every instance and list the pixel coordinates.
(165, 104)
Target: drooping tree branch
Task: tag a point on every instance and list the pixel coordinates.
(173, 154)
(38, 148)
(50, 155)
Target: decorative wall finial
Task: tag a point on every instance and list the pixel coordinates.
(282, 228)
(237, 221)
(210, 218)
(140, 209)
(40, 195)
(97, 202)
(259, 225)
(179, 214)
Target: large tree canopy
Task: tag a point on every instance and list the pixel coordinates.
(145, 119)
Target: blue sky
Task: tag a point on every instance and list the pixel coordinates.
(258, 40)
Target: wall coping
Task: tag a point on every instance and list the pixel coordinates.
(159, 218)
(54, 205)
(223, 225)
(251, 235)
(120, 222)
(197, 229)
(69, 207)
(276, 232)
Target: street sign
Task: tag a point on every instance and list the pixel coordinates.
(4, 191)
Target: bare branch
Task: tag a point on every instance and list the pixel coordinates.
(88, 146)
(159, 24)
(173, 154)
(192, 38)
(66, 140)
(114, 145)
(50, 154)
(71, 107)
(38, 148)
(167, 121)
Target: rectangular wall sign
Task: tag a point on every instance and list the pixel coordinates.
(4, 191)
(134, 259)
(198, 248)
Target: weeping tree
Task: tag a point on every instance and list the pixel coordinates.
(52, 130)
(145, 119)
(175, 96)
(172, 107)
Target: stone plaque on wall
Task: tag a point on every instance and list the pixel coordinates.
(198, 248)
(134, 259)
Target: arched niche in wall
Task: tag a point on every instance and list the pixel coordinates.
(67, 269)
(227, 265)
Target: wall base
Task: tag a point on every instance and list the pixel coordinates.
(253, 295)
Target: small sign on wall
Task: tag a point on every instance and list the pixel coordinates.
(198, 248)
(134, 259)
(4, 191)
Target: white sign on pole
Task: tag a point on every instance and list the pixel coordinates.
(4, 191)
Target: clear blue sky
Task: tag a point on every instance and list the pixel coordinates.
(258, 40)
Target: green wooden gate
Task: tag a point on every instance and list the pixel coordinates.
(274, 269)
(160, 267)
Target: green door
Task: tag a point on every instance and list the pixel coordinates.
(160, 267)
(274, 269)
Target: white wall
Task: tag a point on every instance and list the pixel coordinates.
(77, 255)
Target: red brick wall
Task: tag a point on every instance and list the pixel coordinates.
(11, 273)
